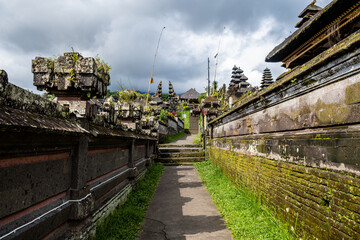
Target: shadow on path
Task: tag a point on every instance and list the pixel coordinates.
(182, 209)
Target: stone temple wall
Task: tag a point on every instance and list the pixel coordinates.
(297, 144)
(60, 173)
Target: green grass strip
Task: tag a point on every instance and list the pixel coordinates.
(125, 222)
(243, 212)
(187, 119)
(197, 139)
(174, 137)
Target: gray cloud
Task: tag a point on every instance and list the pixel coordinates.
(125, 34)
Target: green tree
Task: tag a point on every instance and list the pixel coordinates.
(165, 97)
(201, 97)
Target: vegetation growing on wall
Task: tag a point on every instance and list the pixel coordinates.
(125, 222)
(102, 65)
(243, 212)
(312, 201)
(127, 95)
(163, 115)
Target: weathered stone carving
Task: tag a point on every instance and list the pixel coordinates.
(122, 112)
(74, 80)
(71, 75)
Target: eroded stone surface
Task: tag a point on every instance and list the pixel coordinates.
(70, 75)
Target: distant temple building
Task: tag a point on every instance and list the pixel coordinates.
(267, 79)
(191, 97)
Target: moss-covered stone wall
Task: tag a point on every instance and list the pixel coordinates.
(315, 203)
(297, 144)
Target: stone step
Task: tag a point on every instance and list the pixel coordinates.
(181, 159)
(173, 150)
(181, 154)
(179, 164)
(179, 146)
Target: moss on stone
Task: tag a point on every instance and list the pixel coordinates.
(301, 197)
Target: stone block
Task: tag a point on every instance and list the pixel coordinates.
(86, 65)
(79, 108)
(130, 125)
(87, 80)
(41, 65)
(62, 82)
(42, 80)
(63, 64)
(82, 209)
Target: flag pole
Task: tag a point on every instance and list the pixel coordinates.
(152, 71)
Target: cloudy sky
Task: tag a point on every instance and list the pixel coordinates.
(125, 33)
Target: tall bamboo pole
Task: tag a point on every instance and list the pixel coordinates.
(217, 59)
(152, 71)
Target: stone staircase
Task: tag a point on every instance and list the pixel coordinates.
(186, 154)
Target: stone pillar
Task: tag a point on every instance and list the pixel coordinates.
(147, 153)
(147, 149)
(78, 171)
(79, 191)
(131, 153)
(131, 163)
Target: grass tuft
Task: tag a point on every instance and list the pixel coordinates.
(174, 137)
(243, 212)
(125, 222)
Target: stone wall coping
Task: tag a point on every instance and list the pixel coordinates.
(344, 46)
(19, 98)
(97, 130)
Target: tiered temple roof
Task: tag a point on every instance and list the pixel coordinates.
(238, 84)
(172, 93)
(158, 92)
(267, 79)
